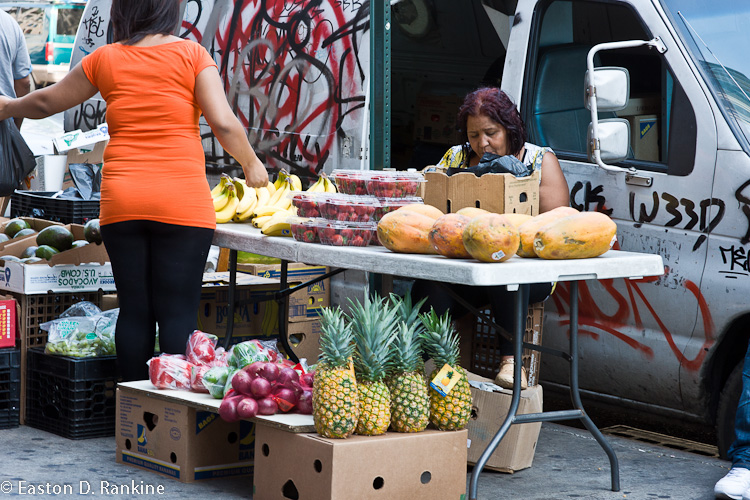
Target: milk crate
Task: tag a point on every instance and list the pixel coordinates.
(41, 205)
(10, 387)
(485, 349)
(38, 309)
(71, 397)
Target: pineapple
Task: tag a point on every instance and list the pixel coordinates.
(410, 400)
(373, 325)
(440, 341)
(335, 404)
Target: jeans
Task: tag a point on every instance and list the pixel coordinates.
(739, 452)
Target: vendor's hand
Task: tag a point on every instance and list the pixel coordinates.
(255, 173)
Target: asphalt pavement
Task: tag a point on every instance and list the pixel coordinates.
(568, 464)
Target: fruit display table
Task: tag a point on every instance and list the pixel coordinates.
(516, 274)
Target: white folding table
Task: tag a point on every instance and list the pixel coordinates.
(516, 274)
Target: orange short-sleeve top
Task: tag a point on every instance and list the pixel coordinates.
(154, 165)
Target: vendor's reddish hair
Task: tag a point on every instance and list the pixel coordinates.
(495, 104)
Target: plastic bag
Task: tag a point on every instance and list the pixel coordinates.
(201, 348)
(16, 159)
(170, 371)
(215, 380)
(250, 351)
(83, 308)
(87, 179)
(491, 163)
(82, 336)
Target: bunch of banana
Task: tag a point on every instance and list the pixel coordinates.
(322, 185)
(283, 176)
(225, 204)
(277, 225)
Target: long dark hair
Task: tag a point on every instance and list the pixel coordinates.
(132, 20)
(494, 103)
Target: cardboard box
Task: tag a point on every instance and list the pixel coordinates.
(109, 301)
(644, 137)
(516, 450)
(641, 105)
(429, 464)
(435, 119)
(8, 321)
(177, 441)
(304, 338)
(78, 139)
(78, 269)
(498, 193)
(304, 304)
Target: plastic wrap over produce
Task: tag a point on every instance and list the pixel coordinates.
(82, 331)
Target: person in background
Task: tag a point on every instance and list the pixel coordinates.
(490, 123)
(736, 483)
(15, 65)
(157, 217)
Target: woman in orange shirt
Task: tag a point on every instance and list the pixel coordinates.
(156, 213)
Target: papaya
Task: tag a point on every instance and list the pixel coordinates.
(528, 229)
(491, 238)
(580, 236)
(91, 231)
(15, 225)
(518, 219)
(57, 237)
(446, 236)
(421, 208)
(406, 232)
(471, 211)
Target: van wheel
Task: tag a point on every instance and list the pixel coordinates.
(728, 401)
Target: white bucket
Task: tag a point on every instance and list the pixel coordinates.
(53, 171)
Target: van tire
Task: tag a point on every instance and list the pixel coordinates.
(728, 401)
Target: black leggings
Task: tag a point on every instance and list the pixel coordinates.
(500, 300)
(158, 270)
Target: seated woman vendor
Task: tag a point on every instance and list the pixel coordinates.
(490, 123)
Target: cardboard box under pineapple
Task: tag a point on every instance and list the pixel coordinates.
(178, 441)
(498, 193)
(429, 464)
(489, 408)
(85, 268)
(304, 304)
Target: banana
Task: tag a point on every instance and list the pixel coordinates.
(317, 187)
(219, 187)
(239, 185)
(263, 196)
(246, 206)
(330, 187)
(280, 178)
(271, 188)
(222, 199)
(278, 225)
(280, 194)
(296, 183)
(259, 221)
(230, 210)
(268, 210)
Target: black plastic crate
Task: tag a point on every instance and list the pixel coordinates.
(10, 387)
(71, 397)
(41, 205)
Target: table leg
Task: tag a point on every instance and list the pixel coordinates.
(520, 327)
(575, 395)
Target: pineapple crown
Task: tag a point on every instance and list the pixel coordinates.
(336, 338)
(407, 312)
(440, 339)
(373, 325)
(406, 349)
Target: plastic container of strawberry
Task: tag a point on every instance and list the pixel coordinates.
(350, 208)
(305, 229)
(386, 205)
(351, 181)
(307, 204)
(394, 184)
(352, 234)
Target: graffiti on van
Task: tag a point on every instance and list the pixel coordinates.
(294, 74)
(593, 319)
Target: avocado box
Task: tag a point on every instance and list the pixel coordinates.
(172, 438)
(86, 268)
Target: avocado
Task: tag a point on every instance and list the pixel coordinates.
(29, 251)
(92, 232)
(79, 243)
(46, 252)
(30, 260)
(57, 237)
(23, 233)
(15, 225)
(10, 258)
(4, 237)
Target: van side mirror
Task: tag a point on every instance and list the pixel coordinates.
(613, 140)
(612, 88)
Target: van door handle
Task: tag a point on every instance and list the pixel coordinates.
(638, 180)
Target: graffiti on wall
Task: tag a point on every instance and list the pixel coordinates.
(294, 71)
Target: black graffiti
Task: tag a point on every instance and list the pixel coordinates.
(745, 202)
(590, 195)
(93, 26)
(736, 259)
(89, 115)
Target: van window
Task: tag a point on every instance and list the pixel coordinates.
(68, 21)
(31, 20)
(662, 122)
